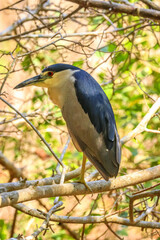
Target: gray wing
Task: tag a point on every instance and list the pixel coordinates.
(92, 126)
(96, 104)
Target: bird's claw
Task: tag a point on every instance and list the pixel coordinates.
(85, 184)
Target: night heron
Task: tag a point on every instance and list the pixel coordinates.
(88, 115)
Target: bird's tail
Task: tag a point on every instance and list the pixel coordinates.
(109, 161)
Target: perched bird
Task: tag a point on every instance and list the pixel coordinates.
(87, 112)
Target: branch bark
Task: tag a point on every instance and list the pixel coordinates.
(120, 8)
(39, 28)
(86, 219)
(71, 189)
(13, 170)
(151, 4)
(12, 186)
(142, 125)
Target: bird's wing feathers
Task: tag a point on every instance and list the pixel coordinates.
(96, 104)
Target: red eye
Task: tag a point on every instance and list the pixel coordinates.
(50, 74)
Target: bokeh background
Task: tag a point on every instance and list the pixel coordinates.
(122, 52)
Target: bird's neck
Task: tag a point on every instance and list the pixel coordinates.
(59, 95)
(55, 96)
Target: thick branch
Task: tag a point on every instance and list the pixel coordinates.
(12, 186)
(119, 8)
(70, 189)
(151, 4)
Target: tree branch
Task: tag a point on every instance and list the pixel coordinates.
(151, 4)
(45, 224)
(119, 8)
(151, 194)
(39, 28)
(37, 132)
(86, 219)
(30, 16)
(71, 189)
(14, 171)
(142, 125)
(8, 187)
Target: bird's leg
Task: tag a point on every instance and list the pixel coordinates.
(82, 180)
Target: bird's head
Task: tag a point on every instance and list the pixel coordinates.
(52, 76)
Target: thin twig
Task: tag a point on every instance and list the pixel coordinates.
(33, 127)
(142, 125)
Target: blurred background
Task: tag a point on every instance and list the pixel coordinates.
(122, 52)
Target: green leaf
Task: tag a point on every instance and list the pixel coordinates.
(94, 22)
(88, 229)
(124, 214)
(60, 122)
(120, 57)
(128, 45)
(48, 136)
(3, 230)
(156, 46)
(109, 48)
(122, 232)
(78, 63)
(134, 151)
(26, 63)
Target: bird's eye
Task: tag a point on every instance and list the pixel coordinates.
(50, 74)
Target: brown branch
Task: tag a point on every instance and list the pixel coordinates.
(45, 224)
(72, 233)
(13, 170)
(68, 229)
(7, 75)
(109, 227)
(34, 128)
(31, 15)
(151, 4)
(86, 219)
(81, 34)
(151, 194)
(7, 187)
(41, 27)
(8, 7)
(71, 189)
(14, 223)
(119, 8)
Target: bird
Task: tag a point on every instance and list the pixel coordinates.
(88, 115)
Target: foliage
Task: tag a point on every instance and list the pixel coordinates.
(123, 54)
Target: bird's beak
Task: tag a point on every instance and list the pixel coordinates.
(30, 81)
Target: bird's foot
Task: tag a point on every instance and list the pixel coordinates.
(82, 180)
